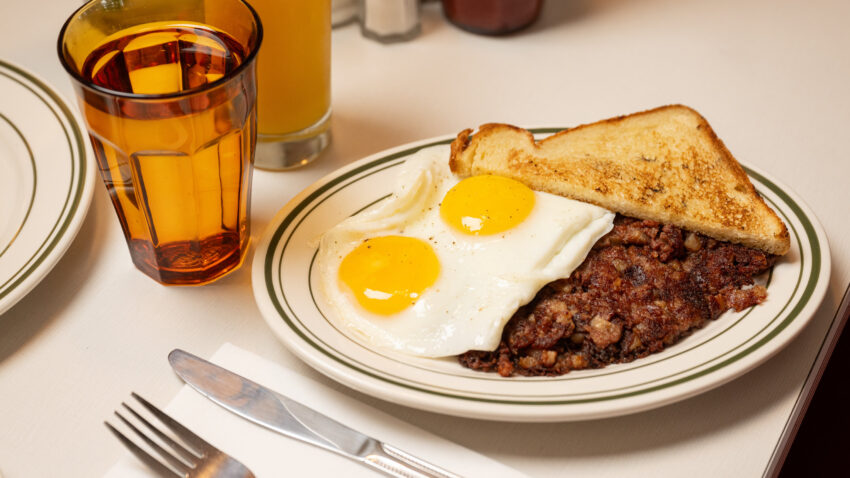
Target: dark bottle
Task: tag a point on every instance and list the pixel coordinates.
(492, 17)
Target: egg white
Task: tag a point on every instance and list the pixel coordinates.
(483, 279)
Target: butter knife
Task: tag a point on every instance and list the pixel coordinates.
(272, 410)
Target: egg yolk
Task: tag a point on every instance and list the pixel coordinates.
(484, 205)
(388, 274)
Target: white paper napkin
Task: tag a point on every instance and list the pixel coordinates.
(269, 454)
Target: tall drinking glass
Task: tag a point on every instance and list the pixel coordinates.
(168, 91)
(294, 82)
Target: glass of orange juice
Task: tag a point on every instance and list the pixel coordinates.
(293, 82)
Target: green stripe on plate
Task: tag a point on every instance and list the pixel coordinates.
(74, 194)
(34, 181)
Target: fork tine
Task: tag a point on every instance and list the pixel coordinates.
(150, 461)
(181, 431)
(171, 459)
(187, 455)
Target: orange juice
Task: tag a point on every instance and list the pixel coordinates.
(294, 78)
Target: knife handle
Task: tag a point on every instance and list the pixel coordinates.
(400, 464)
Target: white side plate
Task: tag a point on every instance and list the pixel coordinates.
(46, 181)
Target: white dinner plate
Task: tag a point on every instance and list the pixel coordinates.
(46, 180)
(285, 287)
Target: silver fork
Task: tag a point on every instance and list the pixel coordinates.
(197, 459)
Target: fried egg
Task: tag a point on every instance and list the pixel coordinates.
(440, 266)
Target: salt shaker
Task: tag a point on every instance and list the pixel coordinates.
(389, 21)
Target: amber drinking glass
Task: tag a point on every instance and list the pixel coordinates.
(168, 91)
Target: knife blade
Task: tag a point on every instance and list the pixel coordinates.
(277, 412)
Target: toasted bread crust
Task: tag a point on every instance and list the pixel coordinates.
(664, 164)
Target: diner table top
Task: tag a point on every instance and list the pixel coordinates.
(770, 76)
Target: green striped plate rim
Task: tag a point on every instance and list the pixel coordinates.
(76, 193)
(797, 307)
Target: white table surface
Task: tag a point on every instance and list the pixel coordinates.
(770, 76)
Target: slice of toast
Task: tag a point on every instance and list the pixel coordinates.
(664, 164)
